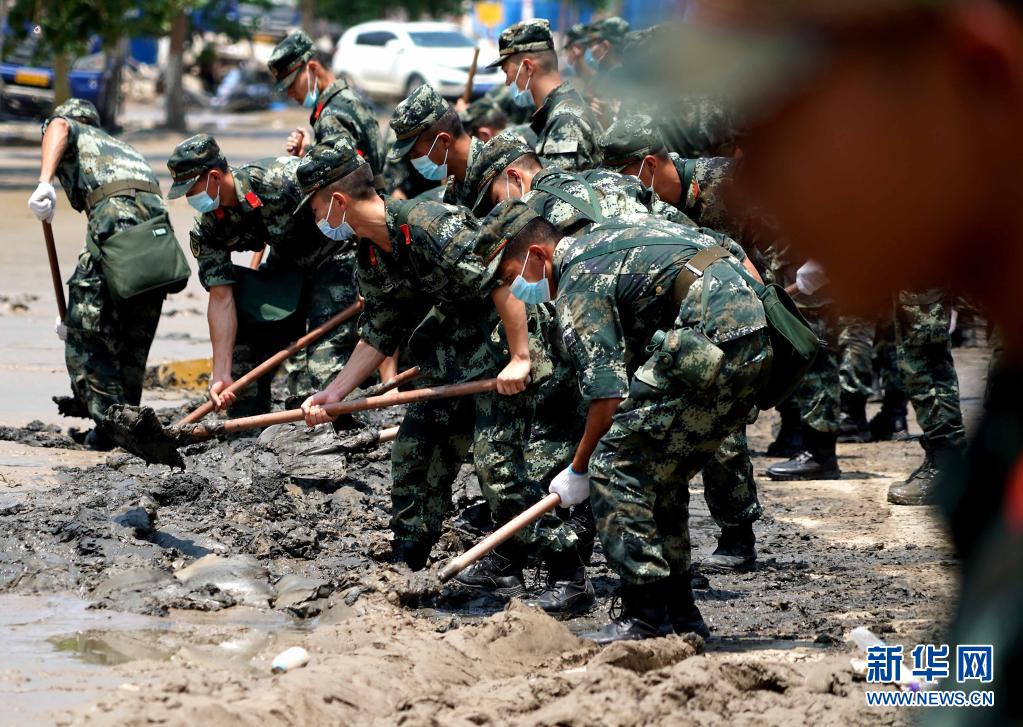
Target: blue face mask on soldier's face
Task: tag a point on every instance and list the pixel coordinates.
(531, 293)
(312, 93)
(522, 96)
(591, 60)
(202, 201)
(342, 232)
(430, 169)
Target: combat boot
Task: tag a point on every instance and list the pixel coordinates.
(918, 489)
(499, 571)
(736, 550)
(816, 462)
(789, 441)
(413, 554)
(853, 427)
(98, 440)
(643, 615)
(568, 591)
(682, 611)
(890, 422)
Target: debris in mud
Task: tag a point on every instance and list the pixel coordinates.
(37, 434)
(650, 654)
(17, 304)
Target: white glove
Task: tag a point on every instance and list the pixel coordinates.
(574, 488)
(810, 278)
(60, 329)
(43, 202)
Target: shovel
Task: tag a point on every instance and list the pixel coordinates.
(139, 431)
(456, 565)
(278, 358)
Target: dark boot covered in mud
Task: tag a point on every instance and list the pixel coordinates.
(71, 406)
(414, 555)
(682, 611)
(853, 426)
(736, 550)
(643, 615)
(816, 462)
(789, 441)
(500, 571)
(890, 422)
(918, 489)
(568, 591)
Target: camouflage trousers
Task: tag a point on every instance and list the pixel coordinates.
(435, 437)
(856, 342)
(325, 292)
(728, 484)
(107, 343)
(927, 368)
(819, 393)
(663, 433)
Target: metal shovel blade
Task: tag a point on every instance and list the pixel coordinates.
(139, 430)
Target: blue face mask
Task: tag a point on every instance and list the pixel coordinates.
(430, 169)
(591, 60)
(202, 201)
(522, 96)
(342, 232)
(531, 293)
(312, 95)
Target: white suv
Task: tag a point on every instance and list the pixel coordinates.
(388, 59)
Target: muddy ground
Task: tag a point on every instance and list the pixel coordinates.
(133, 594)
(243, 554)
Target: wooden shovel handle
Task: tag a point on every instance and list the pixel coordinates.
(278, 358)
(205, 431)
(58, 283)
(503, 533)
(257, 258)
(471, 79)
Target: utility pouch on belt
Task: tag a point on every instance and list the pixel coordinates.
(266, 296)
(145, 258)
(688, 355)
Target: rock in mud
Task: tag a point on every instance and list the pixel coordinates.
(240, 576)
(301, 596)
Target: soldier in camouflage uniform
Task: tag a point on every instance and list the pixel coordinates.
(605, 44)
(670, 358)
(107, 342)
(423, 280)
(565, 128)
(575, 50)
(430, 134)
(334, 107)
(929, 378)
(245, 208)
(634, 147)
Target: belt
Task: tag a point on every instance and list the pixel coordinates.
(124, 188)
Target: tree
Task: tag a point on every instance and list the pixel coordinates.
(351, 12)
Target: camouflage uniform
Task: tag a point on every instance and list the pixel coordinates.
(565, 128)
(928, 371)
(107, 342)
(338, 110)
(433, 270)
(268, 192)
(729, 487)
(676, 411)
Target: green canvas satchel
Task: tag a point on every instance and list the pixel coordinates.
(145, 258)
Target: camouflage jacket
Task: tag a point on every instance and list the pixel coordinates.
(268, 193)
(618, 195)
(456, 192)
(609, 306)
(566, 131)
(432, 264)
(698, 127)
(94, 158)
(340, 111)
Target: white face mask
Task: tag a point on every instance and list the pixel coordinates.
(507, 188)
(639, 176)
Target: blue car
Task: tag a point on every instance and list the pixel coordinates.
(26, 81)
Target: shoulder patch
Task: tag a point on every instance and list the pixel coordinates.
(408, 234)
(254, 201)
(562, 146)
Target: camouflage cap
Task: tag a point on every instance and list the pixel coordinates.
(628, 140)
(479, 110)
(417, 113)
(325, 163)
(288, 58)
(78, 109)
(498, 228)
(494, 158)
(576, 34)
(529, 36)
(190, 159)
(612, 29)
